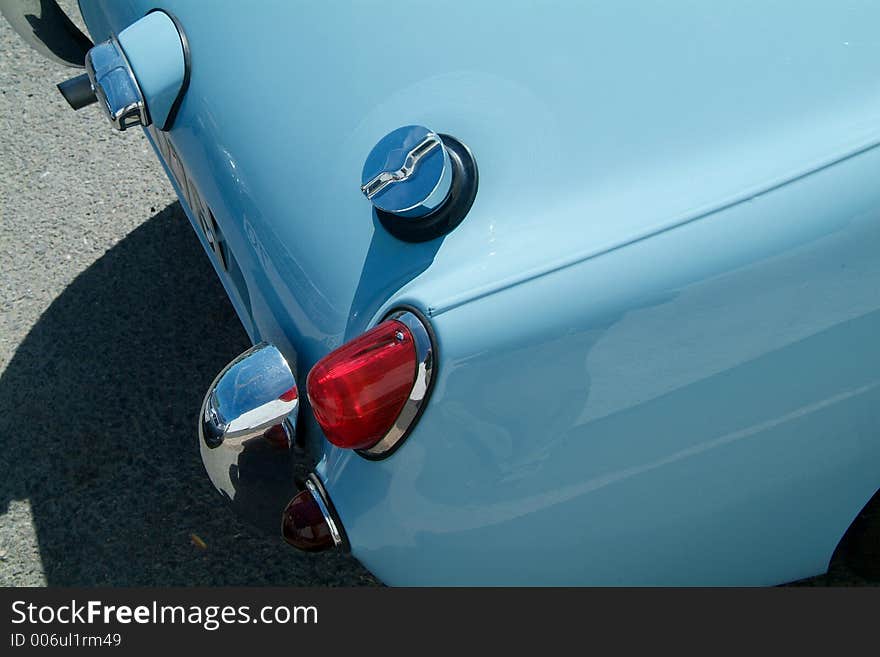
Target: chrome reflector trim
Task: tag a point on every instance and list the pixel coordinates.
(325, 511)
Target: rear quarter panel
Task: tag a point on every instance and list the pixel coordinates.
(698, 407)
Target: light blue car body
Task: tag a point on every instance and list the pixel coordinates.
(658, 325)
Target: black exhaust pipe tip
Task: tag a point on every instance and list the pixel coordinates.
(78, 91)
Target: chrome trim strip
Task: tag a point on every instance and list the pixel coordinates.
(419, 393)
(416, 155)
(325, 511)
(116, 86)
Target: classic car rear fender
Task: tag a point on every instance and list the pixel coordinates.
(655, 326)
(700, 406)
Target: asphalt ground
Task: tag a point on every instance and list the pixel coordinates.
(112, 324)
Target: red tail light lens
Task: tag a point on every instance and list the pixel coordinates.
(358, 391)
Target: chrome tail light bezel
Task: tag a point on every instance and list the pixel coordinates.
(426, 371)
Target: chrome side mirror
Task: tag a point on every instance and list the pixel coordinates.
(246, 432)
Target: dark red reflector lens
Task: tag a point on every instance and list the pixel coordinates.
(303, 525)
(358, 390)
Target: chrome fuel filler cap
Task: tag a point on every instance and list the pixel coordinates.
(408, 172)
(420, 182)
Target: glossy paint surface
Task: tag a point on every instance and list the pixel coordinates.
(656, 325)
(700, 407)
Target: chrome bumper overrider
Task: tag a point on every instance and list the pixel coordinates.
(246, 430)
(247, 427)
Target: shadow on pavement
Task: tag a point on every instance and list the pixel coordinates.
(98, 427)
